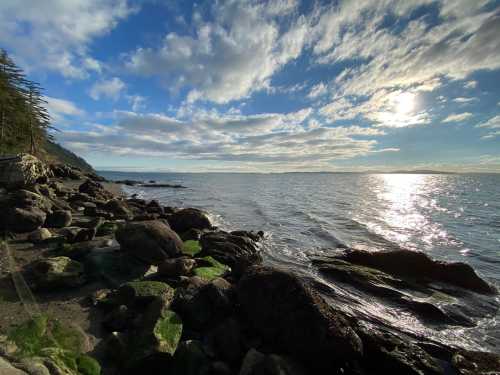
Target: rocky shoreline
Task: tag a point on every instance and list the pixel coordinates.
(128, 286)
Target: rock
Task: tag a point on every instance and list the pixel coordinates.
(95, 190)
(384, 352)
(66, 171)
(87, 234)
(39, 235)
(119, 209)
(202, 303)
(154, 207)
(151, 241)
(292, 318)
(33, 366)
(226, 341)
(238, 252)
(21, 220)
(190, 359)
(220, 368)
(137, 293)
(418, 265)
(188, 218)
(21, 171)
(6, 368)
(176, 267)
(59, 219)
(476, 363)
(106, 228)
(118, 319)
(57, 272)
(253, 363)
(80, 250)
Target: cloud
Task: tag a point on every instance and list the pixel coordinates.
(60, 109)
(111, 89)
(262, 138)
(55, 34)
(317, 90)
(137, 102)
(491, 124)
(465, 100)
(457, 117)
(470, 84)
(229, 57)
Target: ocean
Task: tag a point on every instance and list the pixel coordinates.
(451, 217)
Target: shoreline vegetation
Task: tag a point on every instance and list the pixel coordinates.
(127, 286)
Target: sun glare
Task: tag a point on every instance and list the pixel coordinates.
(405, 102)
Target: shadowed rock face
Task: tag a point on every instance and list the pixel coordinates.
(189, 218)
(151, 241)
(296, 320)
(418, 265)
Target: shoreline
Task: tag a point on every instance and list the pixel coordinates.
(122, 266)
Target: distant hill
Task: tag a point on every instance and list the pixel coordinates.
(54, 152)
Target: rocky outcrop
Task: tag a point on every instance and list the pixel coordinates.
(21, 171)
(57, 272)
(189, 218)
(23, 211)
(417, 265)
(95, 190)
(59, 219)
(239, 251)
(294, 319)
(151, 241)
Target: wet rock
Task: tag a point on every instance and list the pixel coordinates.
(154, 207)
(176, 267)
(203, 303)
(239, 252)
(476, 363)
(151, 241)
(119, 209)
(419, 266)
(39, 235)
(21, 171)
(188, 218)
(57, 272)
(294, 319)
(95, 190)
(59, 219)
(384, 352)
(137, 293)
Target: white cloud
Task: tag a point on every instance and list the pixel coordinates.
(55, 34)
(227, 58)
(111, 89)
(137, 102)
(457, 117)
(470, 84)
(317, 90)
(491, 124)
(60, 109)
(465, 100)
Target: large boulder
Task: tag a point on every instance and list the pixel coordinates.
(418, 265)
(151, 241)
(21, 220)
(39, 235)
(56, 272)
(293, 319)
(21, 171)
(189, 218)
(95, 190)
(59, 219)
(237, 251)
(119, 209)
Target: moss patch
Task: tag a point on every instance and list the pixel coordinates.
(168, 331)
(88, 365)
(191, 247)
(216, 269)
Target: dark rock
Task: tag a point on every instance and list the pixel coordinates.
(119, 209)
(59, 219)
(87, 234)
(476, 363)
(176, 267)
(21, 220)
(154, 207)
(226, 341)
(238, 252)
(294, 319)
(188, 218)
(137, 293)
(66, 171)
(220, 368)
(418, 265)
(95, 189)
(57, 272)
(190, 359)
(118, 319)
(151, 241)
(201, 303)
(192, 234)
(386, 353)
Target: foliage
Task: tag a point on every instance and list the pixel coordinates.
(216, 269)
(191, 247)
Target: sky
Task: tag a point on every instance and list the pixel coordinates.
(266, 86)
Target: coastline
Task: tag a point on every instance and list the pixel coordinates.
(237, 315)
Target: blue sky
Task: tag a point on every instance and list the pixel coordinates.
(263, 86)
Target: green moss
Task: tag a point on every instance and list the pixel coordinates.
(30, 337)
(88, 365)
(141, 291)
(107, 228)
(168, 331)
(216, 269)
(191, 247)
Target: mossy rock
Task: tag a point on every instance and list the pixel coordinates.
(57, 272)
(191, 247)
(191, 359)
(139, 292)
(88, 365)
(168, 331)
(213, 270)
